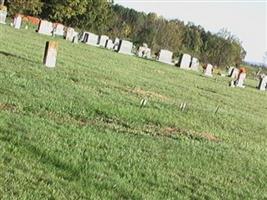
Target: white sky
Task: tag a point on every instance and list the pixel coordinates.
(245, 19)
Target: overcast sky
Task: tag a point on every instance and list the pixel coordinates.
(245, 19)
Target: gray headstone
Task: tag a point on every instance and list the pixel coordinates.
(209, 70)
(17, 21)
(103, 40)
(144, 52)
(194, 64)
(45, 27)
(90, 38)
(230, 70)
(70, 33)
(185, 61)
(165, 56)
(50, 55)
(3, 14)
(263, 83)
(125, 47)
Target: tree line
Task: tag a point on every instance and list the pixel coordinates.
(105, 17)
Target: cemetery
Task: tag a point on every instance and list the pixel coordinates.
(79, 121)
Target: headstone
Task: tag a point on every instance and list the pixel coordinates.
(230, 70)
(3, 14)
(50, 55)
(103, 40)
(90, 38)
(263, 83)
(240, 80)
(109, 44)
(75, 39)
(116, 44)
(234, 74)
(144, 52)
(59, 30)
(125, 47)
(208, 71)
(70, 33)
(45, 27)
(194, 64)
(185, 61)
(165, 56)
(17, 22)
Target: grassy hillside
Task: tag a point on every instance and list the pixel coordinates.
(78, 132)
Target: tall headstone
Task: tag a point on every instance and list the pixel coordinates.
(50, 54)
(209, 70)
(194, 64)
(263, 83)
(109, 44)
(185, 61)
(240, 80)
(103, 40)
(3, 13)
(17, 21)
(125, 47)
(234, 74)
(45, 27)
(70, 33)
(165, 56)
(59, 30)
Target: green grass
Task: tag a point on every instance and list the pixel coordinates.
(78, 132)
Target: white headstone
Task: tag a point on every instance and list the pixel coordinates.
(90, 38)
(103, 40)
(17, 21)
(144, 52)
(208, 71)
(185, 61)
(109, 44)
(75, 39)
(165, 56)
(240, 81)
(3, 14)
(234, 74)
(125, 47)
(230, 70)
(70, 33)
(50, 55)
(263, 83)
(194, 64)
(45, 27)
(59, 30)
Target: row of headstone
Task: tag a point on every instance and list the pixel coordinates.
(188, 62)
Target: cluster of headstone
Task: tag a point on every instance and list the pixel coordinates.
(238, 77)
(144, 51)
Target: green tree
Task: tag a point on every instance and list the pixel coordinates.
(27, 7)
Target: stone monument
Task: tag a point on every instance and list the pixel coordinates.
(45, 27)
(3, 12)
(125, 47)
(17, 21)
(194, 64)
(263, 83)
(165, 56)
(209, 70)
(185, 61)
(50, 54)
(103, 40)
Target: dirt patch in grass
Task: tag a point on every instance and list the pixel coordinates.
(142, 92)
(8, 107)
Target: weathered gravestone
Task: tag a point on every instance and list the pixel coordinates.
(45, 27)
(263, 83)
(109, 44)
(144, 51)
(239, 82)
(3, 13)
(209, 70)
(234, 74)
(17, 21)
(103, 40)
(194, 64)
(116, 44)
(50, 54)
(165, 56)
(59, 30)
(185, 61)
(125, 47)
(70, 34)
(90, 38)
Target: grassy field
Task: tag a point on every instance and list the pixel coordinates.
(78, 132)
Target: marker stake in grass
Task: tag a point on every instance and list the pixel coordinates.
(183, 106)
(50, 54)
(143, 103)
(216, 110)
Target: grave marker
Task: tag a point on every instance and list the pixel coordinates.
(234, 74)
(185, 61)
(17, 21)
(45, 27)
(240, 80)
(109, 44)
(3, 14)
(263, 83)
(116, 44)
(165, 56)
(125, 47)
(209, 70)
(144, 51)
(90, 38)
(103, 40)
(194, 64)
(50, 55)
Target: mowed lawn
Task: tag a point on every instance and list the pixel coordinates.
(78, 132)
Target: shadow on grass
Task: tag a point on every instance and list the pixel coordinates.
(17, 57)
